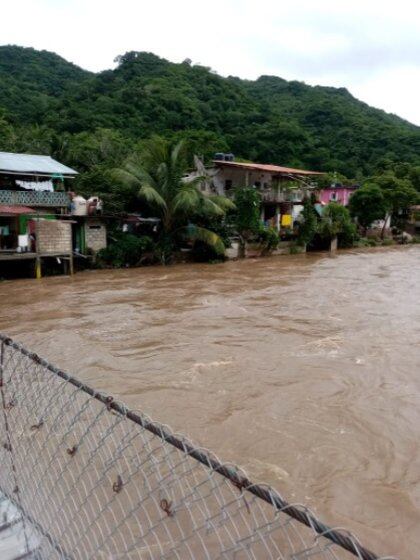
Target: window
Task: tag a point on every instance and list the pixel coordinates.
(228, 184)
(333, 196)
(257, 183)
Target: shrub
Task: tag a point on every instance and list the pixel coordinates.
(362, 242)
(125, 249)
(387, 241)
(268, 239)
(336, 222)
(348, 235)
(202, 252)
(295, 249)
(308, 224)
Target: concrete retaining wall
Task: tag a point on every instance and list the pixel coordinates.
(254, 250)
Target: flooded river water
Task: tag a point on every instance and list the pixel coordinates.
(305, 369)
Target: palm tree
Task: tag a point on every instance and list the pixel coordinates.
(159, 173)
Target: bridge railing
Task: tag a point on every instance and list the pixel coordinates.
(86, 478)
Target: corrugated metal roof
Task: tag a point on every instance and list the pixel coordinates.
(32, 165)
(4, 209)
(267, 168)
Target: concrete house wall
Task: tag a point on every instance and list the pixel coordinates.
(53, 237)
(341, 195)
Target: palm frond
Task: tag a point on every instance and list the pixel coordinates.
(136, 170)
(186, 200)
(208, 237)
(197, 181)
(211, 208)
(152, 196)
(177, 153)
(125, 177)
(224, 202)
(155, 152)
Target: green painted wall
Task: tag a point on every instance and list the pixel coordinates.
(25, 218)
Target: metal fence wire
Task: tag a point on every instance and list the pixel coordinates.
(82, 477)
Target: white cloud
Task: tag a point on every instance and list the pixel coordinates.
(372, 48)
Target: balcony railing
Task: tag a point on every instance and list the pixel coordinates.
(34, 198)
(272, 196)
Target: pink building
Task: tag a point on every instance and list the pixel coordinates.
(337, 193)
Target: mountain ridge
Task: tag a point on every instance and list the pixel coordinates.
(268, 119)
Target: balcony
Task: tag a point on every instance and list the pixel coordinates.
(272, 196)
(34, 198)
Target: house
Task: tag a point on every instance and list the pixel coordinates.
(282, 189)
(338, 193)
(37, 217)
(31, 187)
(89, 229)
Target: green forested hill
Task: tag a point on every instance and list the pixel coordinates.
(30, 80)
(51, 105)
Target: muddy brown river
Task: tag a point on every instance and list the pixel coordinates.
(305, 369)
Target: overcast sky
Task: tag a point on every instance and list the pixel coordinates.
(370, 47)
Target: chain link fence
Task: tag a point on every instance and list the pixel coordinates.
(82, 477)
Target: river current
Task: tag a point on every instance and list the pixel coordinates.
(305, 370)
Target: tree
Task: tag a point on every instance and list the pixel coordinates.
(414, 175)
(399, 194)
(329, 179)
(7, 133)
(248, 212)
(308, 223)
(336, 222)
(270, 119)
(158, 172)
(368, 204)
(203, 143)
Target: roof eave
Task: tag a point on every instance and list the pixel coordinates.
(256, 167)
(39, 174)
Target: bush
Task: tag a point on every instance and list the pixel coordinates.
(308, 224)
(386, 242)
(362, 242)
(269, 239)
(202, 252)
(125, 249)
(348, 236)
(296, 249)
(336, 222)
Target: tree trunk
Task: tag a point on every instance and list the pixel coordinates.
(242, 248)
(333, 244)
(387, 215)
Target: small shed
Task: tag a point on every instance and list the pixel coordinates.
(95, 234)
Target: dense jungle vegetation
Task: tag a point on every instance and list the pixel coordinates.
(93, 122)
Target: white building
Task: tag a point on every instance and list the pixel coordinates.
(282, 188)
